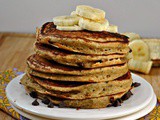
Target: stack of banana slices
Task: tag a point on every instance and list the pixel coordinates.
(85, 17)
(145, 53)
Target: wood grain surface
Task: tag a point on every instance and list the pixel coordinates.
(15, 48)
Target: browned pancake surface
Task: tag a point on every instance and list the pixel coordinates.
(41, 64)
(50, 29)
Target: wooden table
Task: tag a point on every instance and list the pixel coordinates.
(15, 48)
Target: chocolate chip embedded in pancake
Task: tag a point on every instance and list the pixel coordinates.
(43, 65)
(70, 58)
(100, 43)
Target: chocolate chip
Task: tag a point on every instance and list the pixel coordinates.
(131, 93)
(130, 50)
(100, 61)
(35, 102)
(62, 105)
(46, 101)
(20, 83)
(136, 84)
(132, 85)
(50, 105)
(33, 94)
(127, 95)
(109, 105)
(77, 108)
(81, 64)
(120, 100)
(116, 103)
(112, 100)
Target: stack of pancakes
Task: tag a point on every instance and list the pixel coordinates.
(79, 69)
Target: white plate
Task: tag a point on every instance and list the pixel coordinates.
(141, 98)
(27, 115)
(141, 113)
(133, 116)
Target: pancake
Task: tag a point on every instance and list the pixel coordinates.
(93, 103)
(109, 48)
(101, 77)
(120, 83)
(75, 90)
(50, 29)
(70, 58)
(100, 43)
(38, 63)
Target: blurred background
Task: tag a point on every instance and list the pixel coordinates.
(139, 16)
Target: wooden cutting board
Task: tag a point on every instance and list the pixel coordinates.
(14, 50)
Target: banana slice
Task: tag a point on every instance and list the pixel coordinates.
(129, 56)
(112, 28)
(73, 13)
(69, 28)
(140, 66)
(90, 12)
(140, 50)
(93, 25)
(154, 47)
(132, 36)
(66, 20)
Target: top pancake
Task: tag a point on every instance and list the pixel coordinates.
(50, 29)
(86, 42)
